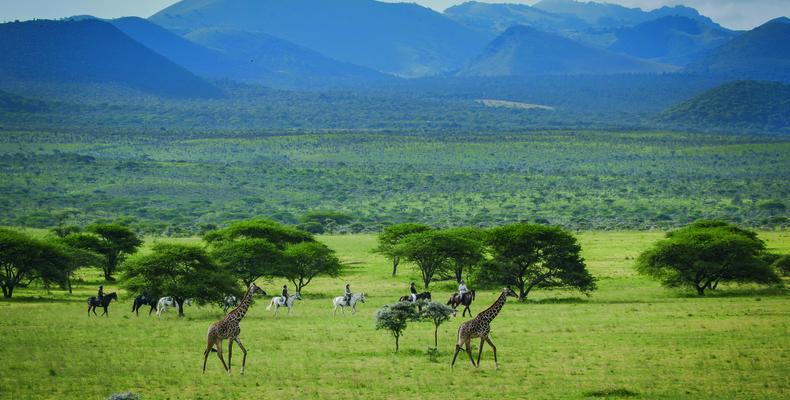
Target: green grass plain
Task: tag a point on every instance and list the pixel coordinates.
(631, 337)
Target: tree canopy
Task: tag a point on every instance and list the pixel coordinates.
(248, 259)
(180, 271)
(395, 317)
(304, 261)
(392, 235)
(115, 242)
(528, 256)
(435, 251)
(24, 259)
(276, 233)
(706, 253)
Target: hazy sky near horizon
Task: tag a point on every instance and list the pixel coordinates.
(734, 14)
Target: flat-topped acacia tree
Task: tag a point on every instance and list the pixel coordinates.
(706, 253)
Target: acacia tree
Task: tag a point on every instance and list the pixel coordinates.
(391, 236)
(466, 258)
(437, 313)
(248, 259)
(395, 318)
(80, 256)
(528, 256)
(435, 251)
(304, 261)
(706, 253)
(181, 271)
(275, 233)
(114, 242)
(24, 259)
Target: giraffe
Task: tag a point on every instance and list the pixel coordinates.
(228, 328)
(480, 326)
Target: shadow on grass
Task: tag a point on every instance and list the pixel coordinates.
(738, 292)
(612, 392)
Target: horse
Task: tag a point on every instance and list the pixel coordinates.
(420, 296)
(466, 300)
(231, 301)
(277, 301)
(340, 301)
(94, 302)
(164, 302)
(143, 300)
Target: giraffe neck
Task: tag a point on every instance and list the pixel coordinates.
(492, 311)
(243, 305)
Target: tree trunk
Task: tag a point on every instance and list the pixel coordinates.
(700, 290)
(108, 275)
(68, 281)
(6, 292)
(395, 262)
(396, 344)
(436, 336)
(458, 277)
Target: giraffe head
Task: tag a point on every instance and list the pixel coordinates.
(509, 292)
(256, 289)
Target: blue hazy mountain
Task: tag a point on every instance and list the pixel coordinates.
(90, 51)
(243, 56)
(673, 40)
(762, 53)
(496, 17)
(398, 38)
(736, 106)
(614, 15)
(522, 51)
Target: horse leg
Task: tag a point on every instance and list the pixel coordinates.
(334, 311)
(89, 310)
(105, 311)
(230, 354)
(490, 343)
(244, 354)
(219, 354)
(94, 311)
(480, 351)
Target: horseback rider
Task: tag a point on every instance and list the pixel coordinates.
(413, 290)
(100, 296)
(347, 294)
(462, 290)
(285, 295)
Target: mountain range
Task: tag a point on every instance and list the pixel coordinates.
(91, 51)
(522, 50)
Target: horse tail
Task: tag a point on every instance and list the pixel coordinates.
(271, 303)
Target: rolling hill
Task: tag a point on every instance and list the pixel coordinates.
(244, 56)
(91, 51)
(496, 18)
(521, 51)
(607, 15)
(762, 53)
(673, 39)
(398, 38)
(735, 106)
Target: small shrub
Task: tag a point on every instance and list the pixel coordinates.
(613, 392)
(124, 396)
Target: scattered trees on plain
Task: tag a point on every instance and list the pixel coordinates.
(395, 317)
(391, 236)
(528, 256)
(304, 261)
(181, 271)
(436, 251)
(24, 259)
(113, 241)
(706, 253)
(437, 313)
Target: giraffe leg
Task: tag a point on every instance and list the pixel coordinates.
(480, 351)
(230, 354)
(244, 354)
(469, 352)
(219, 354)
(205, 355)
(457, 349)
(490, 343)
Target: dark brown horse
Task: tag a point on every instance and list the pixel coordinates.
(143, 300)
(420, 296)
(466, 300)
(94, 302)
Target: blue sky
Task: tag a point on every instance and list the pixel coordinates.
(736, 14)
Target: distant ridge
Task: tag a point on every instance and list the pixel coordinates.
(522, 51)
(397, 38)
(762, 53)
(91, 51)
(735, 106)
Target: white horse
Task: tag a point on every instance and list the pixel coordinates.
(277, 301)
(229, 301)
(165, 302)
(340, 301)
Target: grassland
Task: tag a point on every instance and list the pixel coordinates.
(630, 337)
